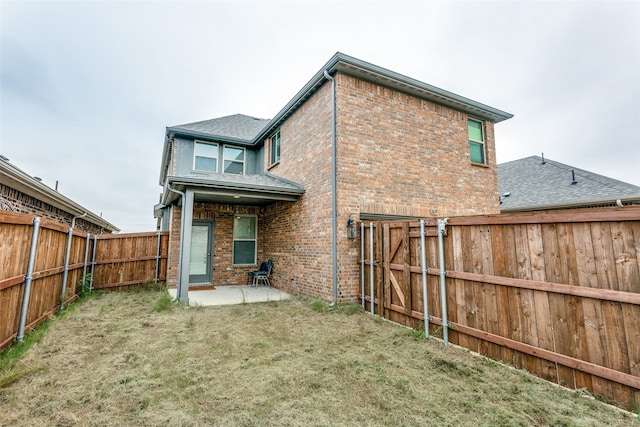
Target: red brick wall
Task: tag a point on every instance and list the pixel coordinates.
(298, 234)
(400, 155)
(397, 154)
(224, 272)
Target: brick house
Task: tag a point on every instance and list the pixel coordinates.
(357, 142)
(21, 192)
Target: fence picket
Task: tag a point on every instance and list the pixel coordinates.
(46, 287)
(555, 293)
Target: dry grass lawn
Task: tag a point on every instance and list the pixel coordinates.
(133, 359)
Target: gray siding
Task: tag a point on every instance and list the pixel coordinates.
(184, 162)
(166, 214)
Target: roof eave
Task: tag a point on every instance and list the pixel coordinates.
(353, 66)
(30, 186)
(226, 185)
(635, 198)
(208, 136)
(384, 77)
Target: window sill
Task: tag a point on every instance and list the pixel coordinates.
(273, 165)
(482, 165)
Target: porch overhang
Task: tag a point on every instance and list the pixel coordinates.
(240, 192)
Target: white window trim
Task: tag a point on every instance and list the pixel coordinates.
(197, 141)
(482, 143)
(235, 161)
(272, 148)
(233, 241)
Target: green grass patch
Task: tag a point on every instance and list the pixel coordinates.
(164, 303)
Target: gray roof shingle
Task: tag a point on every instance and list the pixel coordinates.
(238, 126)
(532, 184)
(250, 181)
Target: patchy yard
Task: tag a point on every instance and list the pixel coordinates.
(135, 359)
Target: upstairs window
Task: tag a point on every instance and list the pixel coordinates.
(476, 141)
(245, 238)
(234, 160)
(275, 148)
(206, 157)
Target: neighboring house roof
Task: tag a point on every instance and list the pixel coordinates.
(225, 128)
(14, 177)
(235, 128)
(532, 183)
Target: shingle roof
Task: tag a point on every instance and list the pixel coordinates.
(266, 181)
(532, 184)
(237, 126)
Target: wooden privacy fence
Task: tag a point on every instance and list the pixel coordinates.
(60, 259)
(555, 293)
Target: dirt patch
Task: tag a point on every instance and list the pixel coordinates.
(132, 359)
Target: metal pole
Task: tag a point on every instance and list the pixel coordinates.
(371, 264)
(86, 256)
(65, 276)
(424, 280)
(362, 261)
(28, 278)
(93, 262)
(155, 279)
(443, 288)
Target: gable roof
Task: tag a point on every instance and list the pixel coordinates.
(16, 178)
(384, 77)
(234, 128)
(532, 183)
(247, 130)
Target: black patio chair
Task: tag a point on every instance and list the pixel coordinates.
(261, 275)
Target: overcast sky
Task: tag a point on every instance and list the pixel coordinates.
(87, 88)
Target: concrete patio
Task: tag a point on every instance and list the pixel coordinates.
(228, 295)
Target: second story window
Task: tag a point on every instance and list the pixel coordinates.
(275, 148)
(206, 157)
(476, 141)
(233, 160)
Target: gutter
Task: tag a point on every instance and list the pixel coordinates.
(334, 191)
(363, 70)
(616, 201)
(367, 71)
(230, 185)
(16, 178)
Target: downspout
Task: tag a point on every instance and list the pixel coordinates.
(73, 221)
(334, 192)
(178, 284)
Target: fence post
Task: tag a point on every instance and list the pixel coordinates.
(424, 280)
(443, 286)
(65, 276)
(86, 255)
(362, 257)
(93, 261)
(155, 279)
(371, 266)
(27, 279)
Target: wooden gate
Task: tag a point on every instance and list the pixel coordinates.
(555, 293)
